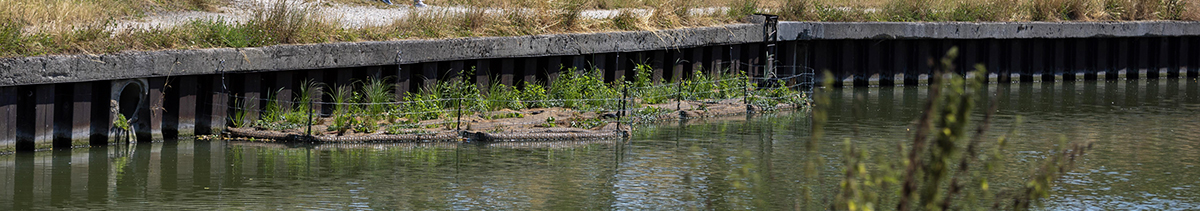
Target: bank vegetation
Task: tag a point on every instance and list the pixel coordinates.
(31, 28)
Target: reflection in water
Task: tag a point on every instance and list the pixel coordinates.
(1145, 131)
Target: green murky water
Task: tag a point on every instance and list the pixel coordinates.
(1147, 136)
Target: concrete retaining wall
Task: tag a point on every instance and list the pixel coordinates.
(80, 68)
(988, 30)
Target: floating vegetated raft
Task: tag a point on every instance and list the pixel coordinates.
(281, 136)
(546, 135)
(609, 131)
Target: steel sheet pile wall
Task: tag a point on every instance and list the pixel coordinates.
(70, 101)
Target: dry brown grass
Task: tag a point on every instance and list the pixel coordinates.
(30, 28)
(61, 15)
(1057, 10)
(1191, 10)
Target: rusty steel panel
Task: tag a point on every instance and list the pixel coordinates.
(157, 98)
(220, 105)
(677, 61)
(8, 119)
(43, 137)
(252, 94)
(716, 59)
(429, 72)
(507, 71)
(282, 88)
(552, 68)
(600, 62)
(81, 109)
(373, 71)
(483, 69)
(186, 113)
(529, 73)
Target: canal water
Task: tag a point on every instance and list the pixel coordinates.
(1146, 135)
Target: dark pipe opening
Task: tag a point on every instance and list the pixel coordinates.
(128, 101)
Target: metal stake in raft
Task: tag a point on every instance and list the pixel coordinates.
(310, 114)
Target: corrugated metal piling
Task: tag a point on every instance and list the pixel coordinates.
(65, 101)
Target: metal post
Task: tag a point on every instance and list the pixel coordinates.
(679, 98)
(624, 99)
(308, 131)
(458, 121)
(624, 92)
(746, 91)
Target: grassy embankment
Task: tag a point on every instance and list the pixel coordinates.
(370, 106)
(30, 28)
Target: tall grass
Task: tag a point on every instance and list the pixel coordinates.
(343, 117)
(583, 89)
(500, 96)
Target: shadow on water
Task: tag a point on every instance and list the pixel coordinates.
(1145, 133)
